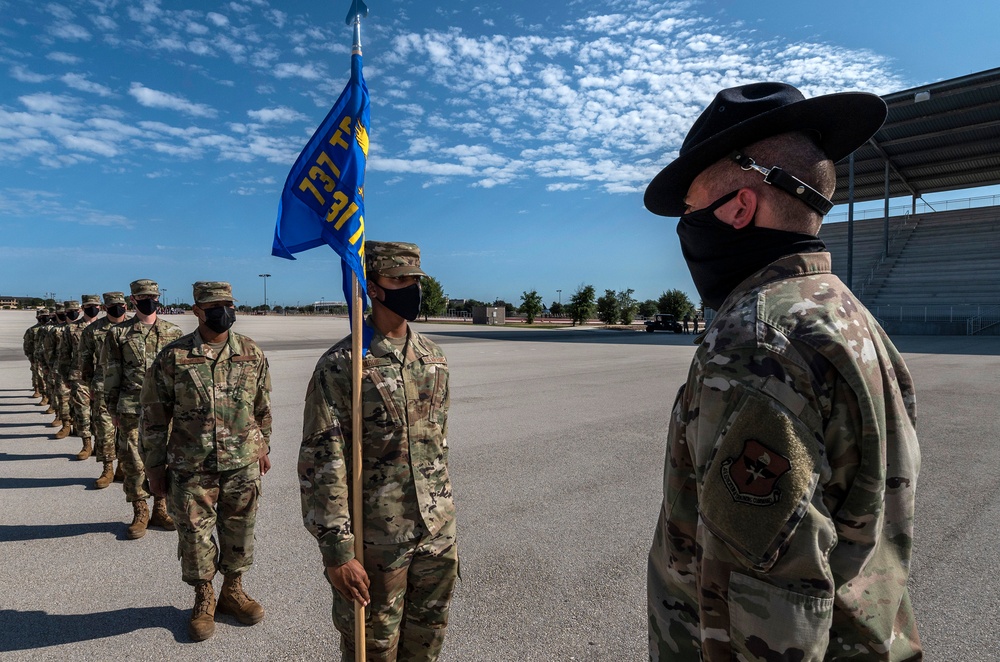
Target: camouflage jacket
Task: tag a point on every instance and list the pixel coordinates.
(50, 340)
(206, 412)
(88, 354)
(69, 343)
(129, 350)
(404, 448)
(29, 341)
(787, 520)
(39, 345)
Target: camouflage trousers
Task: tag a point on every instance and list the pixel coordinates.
(80, 407)
(59, 396)
(129, 459)
(37, 382)
(202, 503)
(105, 433)
(411, 587)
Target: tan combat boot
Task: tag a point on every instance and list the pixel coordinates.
(160, 517)
(44, 401)
(119, 473)
(140, 520)
(87, 449)
(233, 601)
(36, 394)
(202, 623)
(56, 423)
(63, 431)
(106, 476)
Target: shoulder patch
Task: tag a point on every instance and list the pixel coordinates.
(761, 479)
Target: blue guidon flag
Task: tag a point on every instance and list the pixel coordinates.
(323, 201)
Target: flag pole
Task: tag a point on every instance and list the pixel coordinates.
(357, 510)
(357, 11)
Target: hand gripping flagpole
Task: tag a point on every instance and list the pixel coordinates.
(357, 11)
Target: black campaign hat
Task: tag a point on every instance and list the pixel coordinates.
(739, 116)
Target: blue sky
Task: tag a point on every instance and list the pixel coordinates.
(512, 140)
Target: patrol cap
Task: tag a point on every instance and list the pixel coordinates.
(111, 298)
(209, 291)
(41, 312)
(144, 286)
(72, 304)
(392, 258)
(59, 308)
(90, 300)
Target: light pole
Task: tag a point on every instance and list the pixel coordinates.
(265, 277)
(163, 291)
(560, 296)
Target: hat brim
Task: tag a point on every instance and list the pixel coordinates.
(214, 299)
(395, 272)
(843, 121)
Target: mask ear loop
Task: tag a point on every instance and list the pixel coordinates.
(789, 184)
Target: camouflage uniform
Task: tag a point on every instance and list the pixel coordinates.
(89, 366)
(58, 388)
(409, 516)
(69, 368)
(206, 415)
(787, 518)
(41, 361)
(29, 350)
(128, 352)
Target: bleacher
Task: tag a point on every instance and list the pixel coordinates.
(941, 267)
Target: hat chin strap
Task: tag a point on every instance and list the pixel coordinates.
(789, 184)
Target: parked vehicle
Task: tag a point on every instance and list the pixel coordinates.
(663, 322)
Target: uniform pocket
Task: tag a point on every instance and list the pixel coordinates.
(770, 623)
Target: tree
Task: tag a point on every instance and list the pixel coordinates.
(556, 309)
(676, 303)
(432, 301)
(626, 306)
(648, 308)
(531, 305)
(608, 310)
(581, 305)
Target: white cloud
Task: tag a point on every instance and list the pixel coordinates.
(295, 70)
(81, 83)
(281, 114)
(90, 144)
(563, 187)
(48, 103)
(64, 58)
(218, 20)
(105, 23)
(69, 32)
(19, 73)
(155, 99)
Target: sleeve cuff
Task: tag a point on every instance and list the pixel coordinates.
(337, 553)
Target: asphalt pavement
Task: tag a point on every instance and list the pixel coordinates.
(557, 443)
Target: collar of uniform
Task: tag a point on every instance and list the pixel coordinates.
(381, 346)
(789, 266)
(199, 344)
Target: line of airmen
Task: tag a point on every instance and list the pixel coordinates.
(189, 419)
(93, 390)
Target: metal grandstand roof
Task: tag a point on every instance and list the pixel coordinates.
(937, 137)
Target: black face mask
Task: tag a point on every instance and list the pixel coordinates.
(220, 319)
(404, 302)
(720, 257)
(60, 318)
(146, 306)
(91, 311)
(72, 315)
(116, 310)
